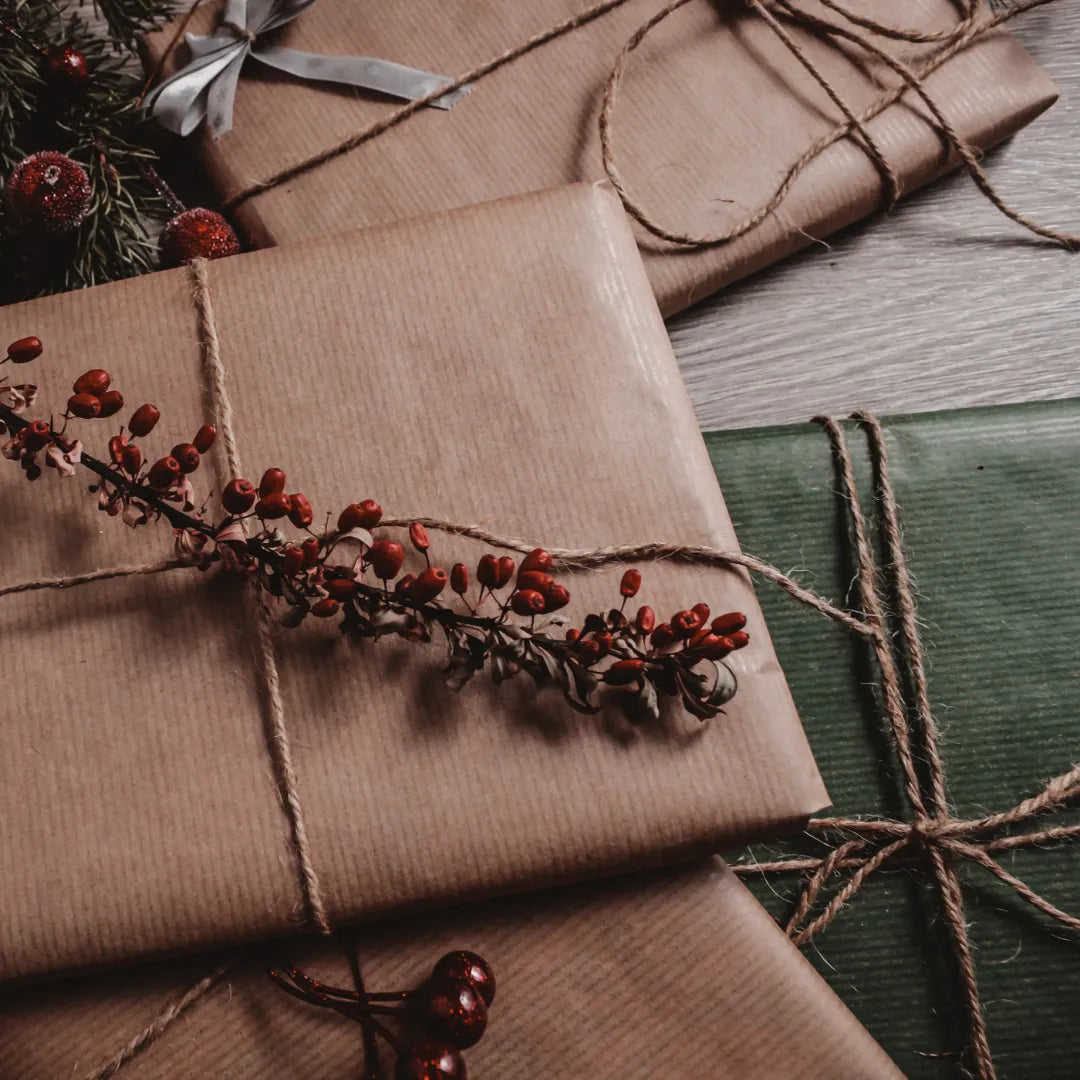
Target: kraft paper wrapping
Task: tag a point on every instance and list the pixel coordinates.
(504, 364)
(676, 975)
(712, 114)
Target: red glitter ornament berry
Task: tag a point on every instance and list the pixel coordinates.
(95, 381)
(66, 68)
(197, 234)
(431, 1061)
(112, 401)
(239, 496)
(144, 420)
(25, 349)
(470, 966)
(452, 1009)
(48, 190)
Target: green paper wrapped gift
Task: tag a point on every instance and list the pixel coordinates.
(988, 507)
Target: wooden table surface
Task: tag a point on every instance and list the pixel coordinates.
(942, 303)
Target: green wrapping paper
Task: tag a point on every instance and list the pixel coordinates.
(989, 503)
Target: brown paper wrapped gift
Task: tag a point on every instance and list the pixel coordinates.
(679, 975)
(713, 112)
(504, 364)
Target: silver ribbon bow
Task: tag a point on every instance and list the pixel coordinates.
(206, 87)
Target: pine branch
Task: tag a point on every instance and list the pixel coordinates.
(127, 19)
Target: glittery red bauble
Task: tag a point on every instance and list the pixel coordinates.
(48, 190)
(66, 67)
(197, 234)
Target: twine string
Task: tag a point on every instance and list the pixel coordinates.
(277, 731)
(971, 25)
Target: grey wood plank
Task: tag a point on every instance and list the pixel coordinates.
(943, 303)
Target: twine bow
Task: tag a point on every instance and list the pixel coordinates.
(205, 88)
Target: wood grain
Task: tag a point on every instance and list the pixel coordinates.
(943, 303)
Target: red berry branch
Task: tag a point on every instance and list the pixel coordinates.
(506, 622)
(448, 1014)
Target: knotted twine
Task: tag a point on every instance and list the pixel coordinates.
(847, 28)
(934, 837)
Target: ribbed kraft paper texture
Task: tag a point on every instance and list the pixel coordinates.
(713, 112)
(676, 975)
(505, 365)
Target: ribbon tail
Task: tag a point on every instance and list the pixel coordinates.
(180, 102)
(220, 96)
(365, 72)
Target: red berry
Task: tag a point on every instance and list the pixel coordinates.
(24, 350)
(131, 458)
(239, 496)
(714, 646)
(557, 597)
(419, 537)
(536, 580)
(645, 620)
(274, 506)
(386, 557)
(452, 1009)
(459, 578)
(404, 585)
(327, 607)
(36, 436)
(85, 406)
(623, 672)
(428, 585)
(163, 473)
(116, 447)
(292, 561)
(587, 650)
(300, 512)
(112, 401)
(204, 438)
(702, 612)
(430, 1061)
(487, 571)
(684, 623)
(507, 567)
(143, 421)
(537, 559)
(470, 966)
(365, 515)
(188, 457)
(272, 482)
(66, 67)
(631, 582)
(662, 636)
(739, 639)
(603, 641)
(310, 548)
(341, 588)
(528, 602)
(728, 623)
(95, 382)
(572, 635)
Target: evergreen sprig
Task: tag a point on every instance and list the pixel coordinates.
(99, 125)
